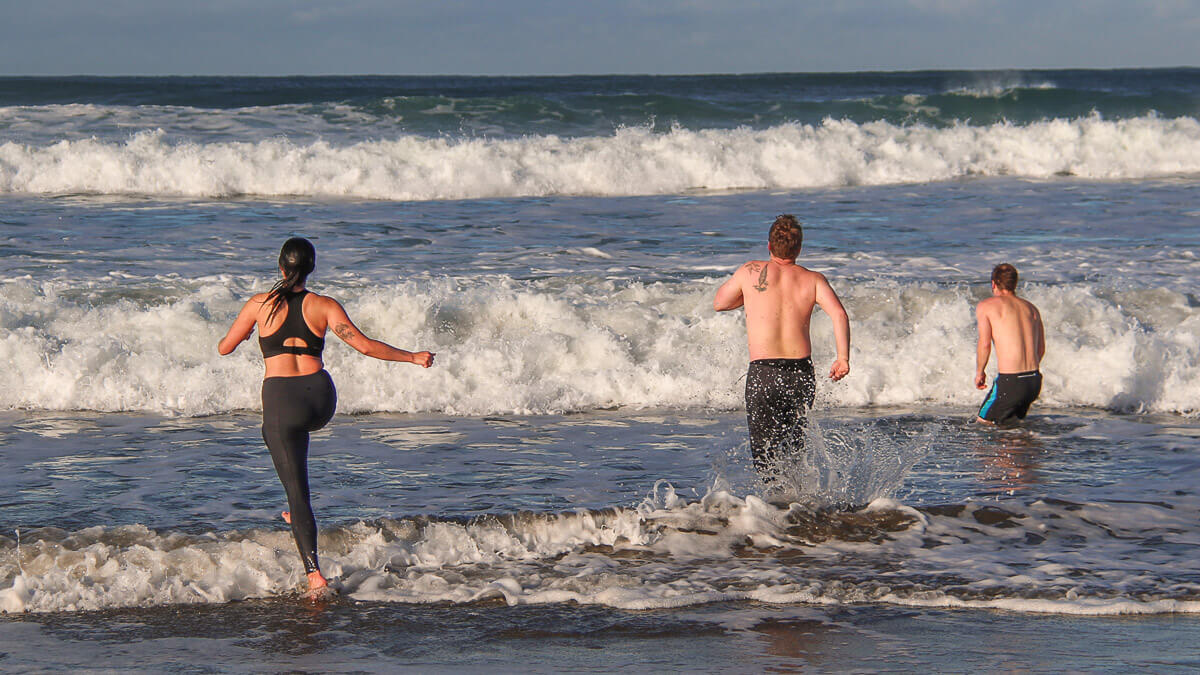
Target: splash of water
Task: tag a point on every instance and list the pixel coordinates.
(842, 466)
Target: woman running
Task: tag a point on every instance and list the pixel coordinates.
(297, 394)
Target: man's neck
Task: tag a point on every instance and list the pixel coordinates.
(783, 261)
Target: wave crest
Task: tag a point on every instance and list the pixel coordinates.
(510, 347)
(632, 161)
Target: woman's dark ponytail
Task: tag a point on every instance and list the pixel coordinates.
(297, 259)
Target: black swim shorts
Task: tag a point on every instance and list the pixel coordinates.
(779, 393)
(1010, 396)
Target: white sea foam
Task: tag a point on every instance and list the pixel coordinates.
(556, 345)
(666, 553)
(998, 85)
(632, 161)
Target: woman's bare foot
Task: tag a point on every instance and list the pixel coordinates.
(287, 517)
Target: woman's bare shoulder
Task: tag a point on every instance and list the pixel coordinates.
(322, 303)
(322, 299)
(257, 301)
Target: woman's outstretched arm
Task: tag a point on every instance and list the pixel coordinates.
(344, 328)
(242, 327)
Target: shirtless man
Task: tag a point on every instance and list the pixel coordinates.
(779, 296)
(1015, 325)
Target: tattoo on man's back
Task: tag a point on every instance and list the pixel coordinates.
(762, 280)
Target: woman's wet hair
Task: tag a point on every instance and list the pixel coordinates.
(297, 259)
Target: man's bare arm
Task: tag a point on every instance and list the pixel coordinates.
(828, 300)
(729, 295)
(344, 328)
(1039, 335)
(983, 349)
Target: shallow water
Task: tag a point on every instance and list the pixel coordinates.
(1040, 519)
(619, 491)
(260, 636)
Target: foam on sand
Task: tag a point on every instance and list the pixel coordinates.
(1043, 557)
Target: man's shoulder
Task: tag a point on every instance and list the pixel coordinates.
(752, 267)
(807, 276)
(988, 304)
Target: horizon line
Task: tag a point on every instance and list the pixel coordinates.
(867, 71)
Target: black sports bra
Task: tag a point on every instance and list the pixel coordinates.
(293, 327)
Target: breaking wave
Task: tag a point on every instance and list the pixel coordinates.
(527, 347)
(631, 161)
(665, 553)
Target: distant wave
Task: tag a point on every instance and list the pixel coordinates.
(507, 346)
(1045, 557)
(352, 109)
(633, 161)
(998, 85)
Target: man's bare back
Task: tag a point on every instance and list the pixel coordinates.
(1014, 326)
(779, 296)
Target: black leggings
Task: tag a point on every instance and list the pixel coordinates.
(779, 393)
(293, 407)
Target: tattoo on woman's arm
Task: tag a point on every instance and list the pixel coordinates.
(344, 331)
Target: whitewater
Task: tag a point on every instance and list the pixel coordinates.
(569, 345)
(631, 161)
(724, 548)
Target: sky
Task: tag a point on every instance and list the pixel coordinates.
(518, 37)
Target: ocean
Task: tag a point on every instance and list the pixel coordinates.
(569, 487)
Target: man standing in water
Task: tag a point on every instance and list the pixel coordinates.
(1015, 326)
(779, 296)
